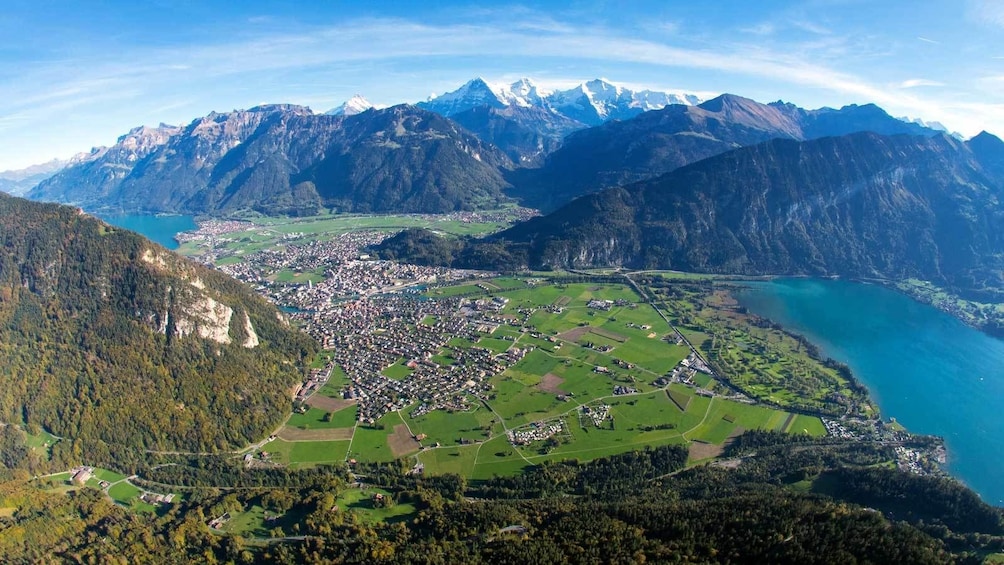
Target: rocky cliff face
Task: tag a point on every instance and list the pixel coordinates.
(192, 308)
(286, 159)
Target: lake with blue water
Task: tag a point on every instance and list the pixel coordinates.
(928, 370)
(160, 229)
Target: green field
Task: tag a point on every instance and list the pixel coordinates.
(458, 290)
(124, 492)
(494, 344)
(314, 419)
(448, 428)
(360, 503)
(458, 460)
(307, 453)
(41, 443)
(337, 381)
(807, 424)
(398, 371)
(288, 276)
(370, 443)
(106, 475)
(250, 522)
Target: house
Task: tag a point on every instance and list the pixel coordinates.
(82, 475)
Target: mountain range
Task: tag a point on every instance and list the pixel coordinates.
(659, 141)
(18, 182)
(285, 159)
(528, 123)
(590, 103)
(484, 146)
(858, 205)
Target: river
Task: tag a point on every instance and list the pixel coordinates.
(928, 370)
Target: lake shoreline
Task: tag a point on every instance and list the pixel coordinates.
(932, 373)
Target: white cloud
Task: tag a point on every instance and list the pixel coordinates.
(916, 82)
(314, 60)
(811, 27)
(765, 28)
(990, 12)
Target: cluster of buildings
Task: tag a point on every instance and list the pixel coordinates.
(369, 334)
(212, 233)
(595, 413)
(156, 499)
(538, 431)
(315, 380)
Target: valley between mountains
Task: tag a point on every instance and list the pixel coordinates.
(475, 326)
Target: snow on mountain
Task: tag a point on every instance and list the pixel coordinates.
(355, 105)
(937, 126)
(599, 100)
(591, 102)
(479, 92)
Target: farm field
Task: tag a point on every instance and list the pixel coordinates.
(369, 443)
(316, 418)
(307, 453)
(124, 492)
(582, 344)
(273, 233)
(450, 428)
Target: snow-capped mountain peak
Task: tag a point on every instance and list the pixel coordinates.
(590, 103)
(355, 105)
(526, 93)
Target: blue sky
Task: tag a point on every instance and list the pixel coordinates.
(75, 74)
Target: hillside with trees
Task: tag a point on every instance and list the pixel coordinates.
(113, 343)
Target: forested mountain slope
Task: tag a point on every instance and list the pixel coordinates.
(109, 340)
(861, 205)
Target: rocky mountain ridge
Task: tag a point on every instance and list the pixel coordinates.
(659, 141)
(284, 159)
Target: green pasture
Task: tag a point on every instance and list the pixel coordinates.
(314, 419)
(448, 428)
(307, 453)
(360, 502)
(370, 443)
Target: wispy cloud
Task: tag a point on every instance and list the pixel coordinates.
(990, 12)
(917, 82)
(171, 79)
(811, 27)
(764, 28)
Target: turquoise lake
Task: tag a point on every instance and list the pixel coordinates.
(928, 370)
(160, 229)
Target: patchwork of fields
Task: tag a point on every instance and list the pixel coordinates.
(596, 349)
